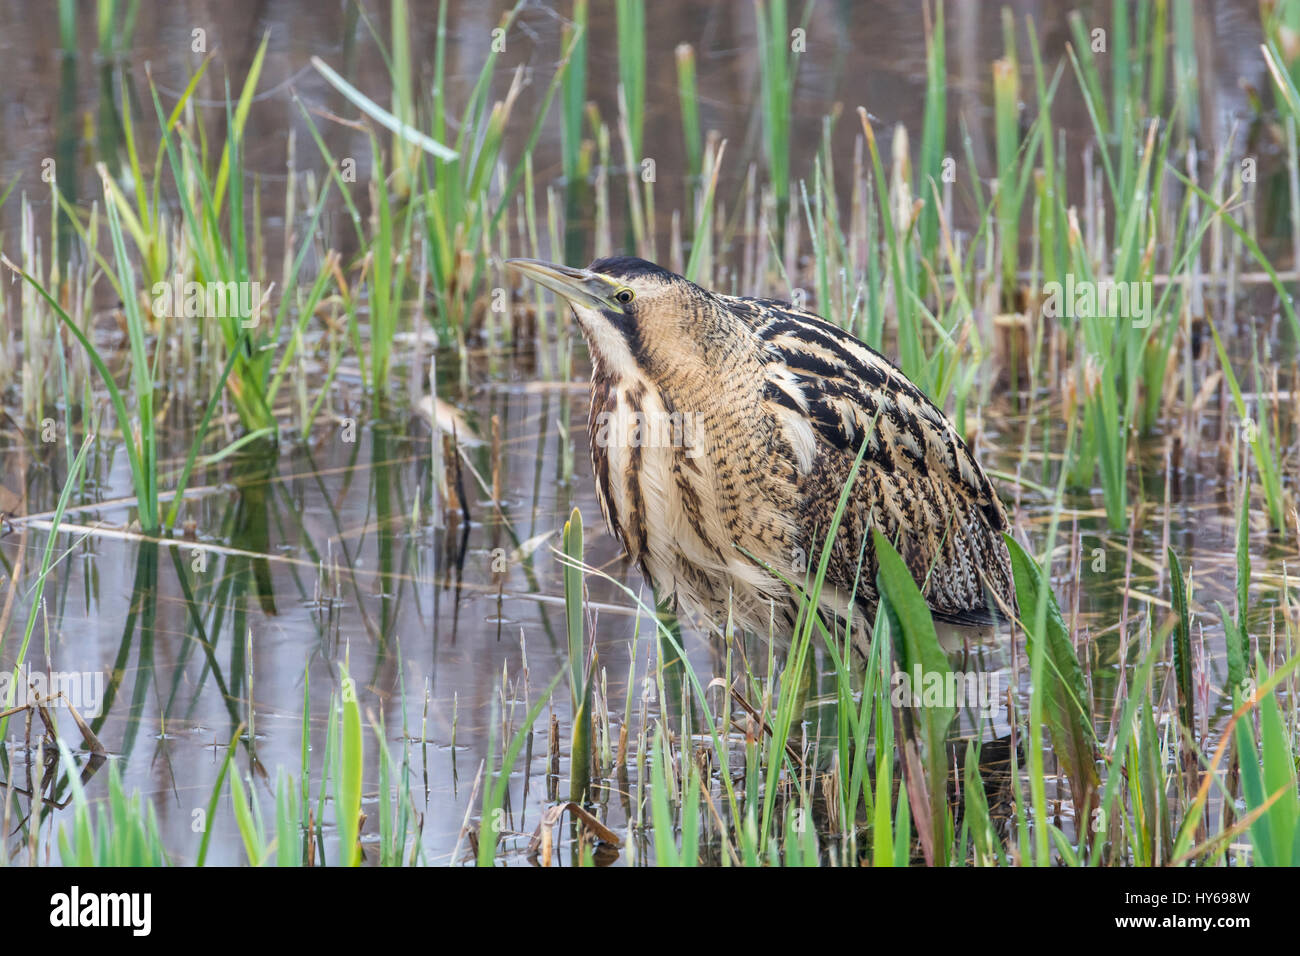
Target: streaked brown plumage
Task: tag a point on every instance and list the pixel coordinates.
(723, 430)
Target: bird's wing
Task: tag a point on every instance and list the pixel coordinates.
(919, 483)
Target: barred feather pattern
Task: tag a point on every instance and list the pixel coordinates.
(780, 402)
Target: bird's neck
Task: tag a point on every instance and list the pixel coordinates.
(700, 344)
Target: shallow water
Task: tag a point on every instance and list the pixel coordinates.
(433, 640)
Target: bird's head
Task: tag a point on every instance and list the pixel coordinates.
(626, 307)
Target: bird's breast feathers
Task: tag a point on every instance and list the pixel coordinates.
(692, 519)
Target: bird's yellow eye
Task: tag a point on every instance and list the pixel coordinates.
(624, 295)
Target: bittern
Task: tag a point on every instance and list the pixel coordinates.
(723, 431)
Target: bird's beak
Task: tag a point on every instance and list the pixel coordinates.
(578, 286)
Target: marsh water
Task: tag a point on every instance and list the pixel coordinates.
(335, 548)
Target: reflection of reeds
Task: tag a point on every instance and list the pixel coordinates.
(38, 587)
(581, 663)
